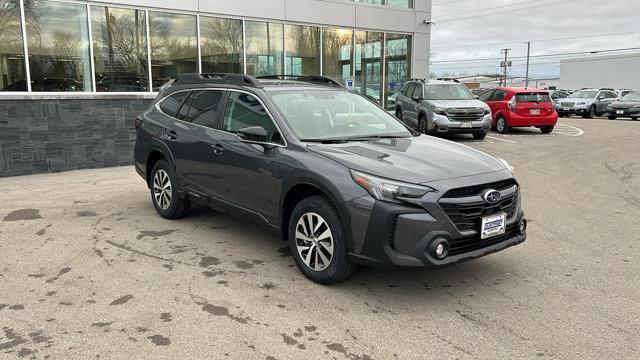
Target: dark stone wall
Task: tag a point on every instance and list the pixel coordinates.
(38, 136)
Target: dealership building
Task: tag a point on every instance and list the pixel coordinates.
(74, 74)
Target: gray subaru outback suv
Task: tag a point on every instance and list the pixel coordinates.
(342, 180)
(443, 106)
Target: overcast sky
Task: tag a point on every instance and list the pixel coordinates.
(461, 26)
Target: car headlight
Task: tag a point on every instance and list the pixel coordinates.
(506, 164)
(440, 111)
(388, 190)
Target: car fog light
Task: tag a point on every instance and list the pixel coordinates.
(522, 227)
(439, 248)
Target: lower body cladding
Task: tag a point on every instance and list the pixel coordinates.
(443, 125)
(438, 231)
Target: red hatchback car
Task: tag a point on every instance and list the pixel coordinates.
(518, 107)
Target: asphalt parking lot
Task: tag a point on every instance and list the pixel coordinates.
(88, 270)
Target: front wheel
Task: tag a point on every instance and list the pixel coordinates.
(422, 125)
(634, 118)
(591, 113)
(612, 117)
(501, 125)
(163, 192)
(546, 129)
(318, 241)
(479, 135)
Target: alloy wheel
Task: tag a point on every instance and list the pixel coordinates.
(500, 125)
(162, 190)
(314, 241)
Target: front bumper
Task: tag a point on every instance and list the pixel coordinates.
(442, 124)
(401, 235)
(625, 113)
(574, 110)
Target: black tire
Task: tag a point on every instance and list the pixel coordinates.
(339, 267)
(612, 117)
(501, 125)
(479, 135)
(561, 115)
(546, 129)
(399, 114)
(591, 114)
(177, 207)
(422, 125)
(634, 118)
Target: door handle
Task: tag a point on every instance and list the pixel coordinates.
(172, 135)
(217, 149)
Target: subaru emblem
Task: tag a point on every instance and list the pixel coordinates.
(491, 196)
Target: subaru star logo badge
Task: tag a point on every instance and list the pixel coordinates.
(491, 196)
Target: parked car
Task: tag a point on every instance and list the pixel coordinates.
(628, 106)
(477, 92)
(520, 107)
(442, 107)
(588, 103)
(558, 94)
(341, 179)
(623, 92)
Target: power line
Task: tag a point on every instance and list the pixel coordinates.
(502, 12)
(539, 40)
(537, 56)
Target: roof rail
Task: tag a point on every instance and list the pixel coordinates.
(314, 79)
(610, 89)
(417, 79)
(218, 78)
(448, 79)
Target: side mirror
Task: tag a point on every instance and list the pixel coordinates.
(416, 99)
(252, 134)
(601, 97)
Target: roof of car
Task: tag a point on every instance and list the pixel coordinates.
(521, 90)
(247, 81)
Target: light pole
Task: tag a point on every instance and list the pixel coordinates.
(526, 82)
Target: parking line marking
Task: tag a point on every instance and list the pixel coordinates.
(507, 141)
(580, 132)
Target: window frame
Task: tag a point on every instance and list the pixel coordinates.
(223, 110)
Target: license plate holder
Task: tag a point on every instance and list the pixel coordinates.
(534, 111)
(465, 125)
(620, 112)
(493, 225)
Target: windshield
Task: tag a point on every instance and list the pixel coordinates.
(584, 94)
(632, 97)
(448, 92)
(328, 114)
(533, 97)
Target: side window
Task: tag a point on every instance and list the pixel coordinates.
(203, 108)
(171, 105)
(486, 96)
(418, 92)
(499, 95)
(244, 110)
(410, 88)
(611, 95)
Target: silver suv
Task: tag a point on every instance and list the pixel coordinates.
(443, 106)
(586, 102)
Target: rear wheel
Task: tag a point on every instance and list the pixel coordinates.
(399, 114)
(612, 117)
(318, 241)
(546, 129)
(501, 125)
(479, 135)
(163, 192)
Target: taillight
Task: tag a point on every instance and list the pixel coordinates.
(138, 121)
(512, 104)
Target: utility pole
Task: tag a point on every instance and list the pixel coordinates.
(526, 82)
(505, 64)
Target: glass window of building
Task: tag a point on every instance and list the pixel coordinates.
(12, 73)
(368, 64)
(397, 67)
(337, 53)
(58, 44)
(302, 49)
(264, 48)
(173, 46)
(221, 45)
(119, 49)
(405, 4)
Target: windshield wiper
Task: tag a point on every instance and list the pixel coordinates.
(327, 141)
(378, 137)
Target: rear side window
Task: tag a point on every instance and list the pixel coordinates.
(533, 97)
(499, 95)
(244, 110)
(171, 105)
(203, 108)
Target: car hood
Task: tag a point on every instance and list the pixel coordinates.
(415, 160)
(625, 104)
(447, 104)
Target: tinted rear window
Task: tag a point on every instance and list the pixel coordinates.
(533, 97)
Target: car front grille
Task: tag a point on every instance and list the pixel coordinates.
(465, 114)
(467, 215)
(567, 104)
(473, 243)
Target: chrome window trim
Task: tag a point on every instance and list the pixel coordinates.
(157, 106)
